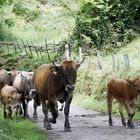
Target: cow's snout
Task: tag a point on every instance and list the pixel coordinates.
(32, 93)
(70, 87)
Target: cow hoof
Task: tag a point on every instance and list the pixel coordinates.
(35, 116)
(110, 124)
(20, 112)
(124, 123)
(52, 120)
(47, 126)
(61, 109)
(130, 124)
(67, 130)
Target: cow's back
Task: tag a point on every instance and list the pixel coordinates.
(9, 95)
(4, 78)
(40, 79)
(21, 83)
(118, 88)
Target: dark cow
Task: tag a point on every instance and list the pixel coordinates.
(6, 78)
(126, 93)
(56, 83)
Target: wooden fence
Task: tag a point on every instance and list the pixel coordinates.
(42, 51)
(25, 48)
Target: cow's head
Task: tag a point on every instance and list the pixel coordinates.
(67, 70)
(135, 84)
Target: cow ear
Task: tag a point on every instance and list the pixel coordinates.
(130, 83)
(77, 66)
(55, 69)
(9, 73)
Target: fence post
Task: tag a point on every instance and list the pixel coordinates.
(126, 61)
(67, 52)
(14, 45)
(80, 54)
(72, 57)
(18, 46)
(113, 63)
(99, 60)
(54, 47)
(24, 46)
(29, 46)
(118, 63)
(46, 45)
(35, 50)
(8, 50)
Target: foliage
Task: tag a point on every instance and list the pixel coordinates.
(18, 129)
(37, 19)
(8, 61)
(108, 24)
(21, 9)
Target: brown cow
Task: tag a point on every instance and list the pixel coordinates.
(6, 78)
(10, 99)
(126, 93)
(56, 83)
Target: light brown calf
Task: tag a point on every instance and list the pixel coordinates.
(126, 93)
(10, 99)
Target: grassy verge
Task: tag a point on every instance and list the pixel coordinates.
(89, 102)
(19, 129)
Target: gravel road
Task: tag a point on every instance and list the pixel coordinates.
(87, 125)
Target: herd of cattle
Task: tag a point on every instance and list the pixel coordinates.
(51, 83)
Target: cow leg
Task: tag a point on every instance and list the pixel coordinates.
(121, 113)
(9, 112)
(17, 110)
(27, 115)
(35, 109)
(20, 110)
(109, 101)
(36, 103)
(47, 123)
(133, 108)
(54, 110)
(130, 115)
(4, 112)
(24, 107)
(67, 127)
(62, 106)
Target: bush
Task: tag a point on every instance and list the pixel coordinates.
(106, 23)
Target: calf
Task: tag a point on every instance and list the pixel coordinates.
(10, 99)
(126, 93)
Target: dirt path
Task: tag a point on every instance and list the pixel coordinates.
(87, 125)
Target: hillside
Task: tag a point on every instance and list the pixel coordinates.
(38, 20)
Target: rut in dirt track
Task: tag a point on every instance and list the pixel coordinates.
(87, 125)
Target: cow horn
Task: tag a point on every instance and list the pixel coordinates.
(56, 65)
(82, 60)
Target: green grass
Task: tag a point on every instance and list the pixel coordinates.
(19, 129)
(89, 102)
(55, 20)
